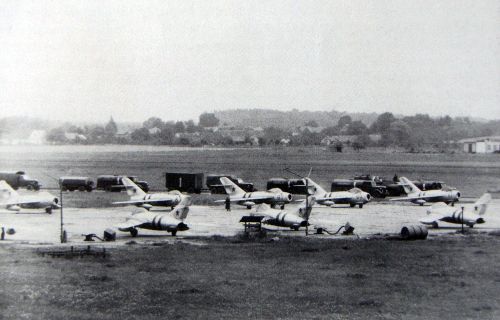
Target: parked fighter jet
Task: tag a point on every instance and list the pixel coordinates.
(273, 196)
(11, 200)
(353, 197)
(415, 195)
(147, 200)
(294, 217)
(171, 221)
(441, 212)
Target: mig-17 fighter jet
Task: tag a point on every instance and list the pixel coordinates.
(294, 217)
(353, 197)
(147, 200)
(171, 221)
(415, 195)
(12, 200)
(440, 212)
(273, 196)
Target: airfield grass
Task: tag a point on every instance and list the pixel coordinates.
(449, 277)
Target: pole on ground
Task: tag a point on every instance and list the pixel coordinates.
(462, 219)
(62, 235)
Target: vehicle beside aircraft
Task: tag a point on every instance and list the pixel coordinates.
(417, 196)
(272, 197)
(440, 212)
(172, 221)
(147, 200)
(353, 197)
(11, 200)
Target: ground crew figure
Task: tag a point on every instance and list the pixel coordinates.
(228, 204)
(2, 237)
(395, 179)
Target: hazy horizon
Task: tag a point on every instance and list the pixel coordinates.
(84, 61)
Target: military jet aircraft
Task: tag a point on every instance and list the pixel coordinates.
(11, 200)
(353, 197)
(147, 200)
(415, 195)
(272, 196)
(294, 217)
(440, 212)
(171, 221)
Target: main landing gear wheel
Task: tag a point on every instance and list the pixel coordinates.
(249, 207)
(360, 205)
(352, 205)
(282, 206)
(435, 225)
(174, 233)
(295, 228)
(48, 210)
(134, 232)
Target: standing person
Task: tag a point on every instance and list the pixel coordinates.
(395, 179)
(2, 237)
(228, 204)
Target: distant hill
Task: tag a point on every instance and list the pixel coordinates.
(286, 119)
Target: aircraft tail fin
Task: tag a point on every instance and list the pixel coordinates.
(314, 188)
(304, 211)
(181, 210)
(132, 188)
(408, 185)
(481, 204)
(6, 191)
(231, 187)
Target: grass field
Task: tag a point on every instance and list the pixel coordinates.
(452, 277)
(471, 173)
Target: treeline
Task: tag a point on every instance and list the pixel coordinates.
(412, 133)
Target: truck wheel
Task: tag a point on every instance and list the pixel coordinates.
(81, 189)
(89, 189)
(29, 187)
(36, 188)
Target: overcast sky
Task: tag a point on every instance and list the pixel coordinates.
(86, 60)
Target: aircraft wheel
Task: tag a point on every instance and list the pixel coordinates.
(360, 205)
(295, 228)
(134, 232)
(174, 233)
(453, 204)
(249, 207)
(29, 187)
(282, 206)
(352, 205)
(48, 210)
(435, 225)
(421, 204)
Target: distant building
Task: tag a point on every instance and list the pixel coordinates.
(481, 144)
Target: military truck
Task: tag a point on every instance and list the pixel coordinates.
(214, 185)
(76, 183)
(369, 186)
(114, 183)
(19, 179)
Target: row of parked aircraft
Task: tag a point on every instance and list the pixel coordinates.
(294, 217)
